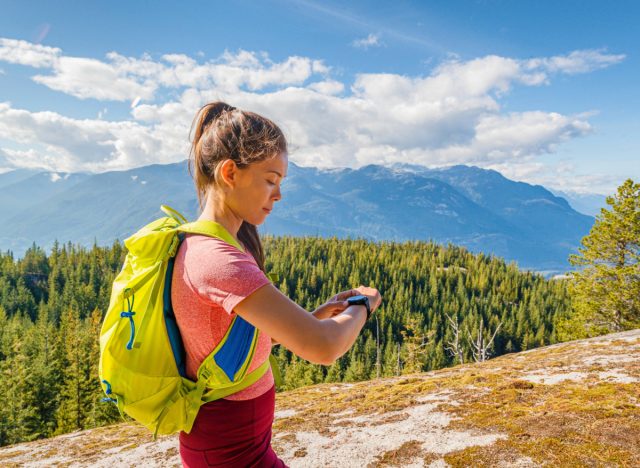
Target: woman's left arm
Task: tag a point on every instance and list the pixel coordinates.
(334, 306)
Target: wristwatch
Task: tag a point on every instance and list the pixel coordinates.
(360, 300)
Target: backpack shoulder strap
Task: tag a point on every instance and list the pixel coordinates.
(211, 229)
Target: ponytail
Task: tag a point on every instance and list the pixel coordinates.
(248, 235)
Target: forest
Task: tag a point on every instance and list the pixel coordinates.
(441, 305)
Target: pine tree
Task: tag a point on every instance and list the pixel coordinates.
(415, 341)
(606, 291)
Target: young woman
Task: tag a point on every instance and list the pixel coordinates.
(238, 161)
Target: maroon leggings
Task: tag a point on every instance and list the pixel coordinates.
(232, 433)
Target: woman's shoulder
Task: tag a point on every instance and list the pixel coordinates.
(197, 245)
(207, 256)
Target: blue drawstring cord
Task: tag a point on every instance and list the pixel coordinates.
(108, 392)
(130, 313)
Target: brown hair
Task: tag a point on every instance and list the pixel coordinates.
(222, 132)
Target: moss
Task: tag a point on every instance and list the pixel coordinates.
(300, 453)
(555, 423)
(401, 456)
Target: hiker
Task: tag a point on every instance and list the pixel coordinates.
(238, 161)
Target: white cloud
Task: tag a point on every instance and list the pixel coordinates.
(372, 40)
(57, 143)
(89, 78)
(453, 115)
(27, 53)
(330, 87)
(120, 78)
(578, 61)
(558, 176)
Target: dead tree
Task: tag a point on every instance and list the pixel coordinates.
(481, 348)
(454, 347)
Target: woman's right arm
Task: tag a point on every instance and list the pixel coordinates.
(317, 341)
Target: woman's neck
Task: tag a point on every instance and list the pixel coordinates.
(221, 214)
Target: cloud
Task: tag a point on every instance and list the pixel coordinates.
(92, 79)
(372, 40)
(27, 53)
(120, 78)
(330, 87)
(453, 115)
(579, 61)
(54, 142)
(558, 176)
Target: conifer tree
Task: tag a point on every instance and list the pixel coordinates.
(606, 290)
(415, 340)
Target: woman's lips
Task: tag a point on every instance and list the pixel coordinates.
(268, 211)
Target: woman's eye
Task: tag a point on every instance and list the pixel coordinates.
(271, 183)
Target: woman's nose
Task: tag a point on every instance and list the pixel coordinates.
(277, 194)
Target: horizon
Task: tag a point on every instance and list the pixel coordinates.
(475, 84)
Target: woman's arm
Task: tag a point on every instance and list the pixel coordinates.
(317, 341)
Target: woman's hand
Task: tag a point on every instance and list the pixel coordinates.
(375, 299)
(334, 306)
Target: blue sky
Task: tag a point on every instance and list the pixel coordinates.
(545, 92)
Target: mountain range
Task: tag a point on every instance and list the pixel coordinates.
(476, 208)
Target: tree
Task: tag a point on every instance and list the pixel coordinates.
(414, 340)
(481, 345)
(454, 345)
(606, 290)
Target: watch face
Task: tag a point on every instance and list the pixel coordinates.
(357, 299)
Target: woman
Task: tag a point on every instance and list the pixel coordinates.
(238, 161)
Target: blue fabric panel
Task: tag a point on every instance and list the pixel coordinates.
(234, 351)
(170, 321)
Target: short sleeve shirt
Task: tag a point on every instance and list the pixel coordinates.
(210, 278)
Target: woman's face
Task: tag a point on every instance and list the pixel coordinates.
(257, 189)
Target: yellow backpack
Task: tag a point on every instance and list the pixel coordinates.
(142, 358)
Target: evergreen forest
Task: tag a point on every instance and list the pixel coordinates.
(441, 305)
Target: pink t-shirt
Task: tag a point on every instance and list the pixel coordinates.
(210, 278)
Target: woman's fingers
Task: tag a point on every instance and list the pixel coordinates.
(344, 295)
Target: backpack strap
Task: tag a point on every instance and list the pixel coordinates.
(212, 229)
(249, 379)
(275, 369)
(173, 214)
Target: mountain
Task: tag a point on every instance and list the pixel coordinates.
(587, 203)
(476, 208)
(570, 404)
(21, 193)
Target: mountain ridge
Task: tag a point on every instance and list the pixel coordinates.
(476, 208)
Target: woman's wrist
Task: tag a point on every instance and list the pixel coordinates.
(363, 311)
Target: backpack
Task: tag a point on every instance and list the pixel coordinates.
(142, 357)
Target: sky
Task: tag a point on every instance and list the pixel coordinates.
(543, 91)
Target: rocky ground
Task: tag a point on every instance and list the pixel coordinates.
(572, 404)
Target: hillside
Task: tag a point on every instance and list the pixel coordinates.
(572, 404)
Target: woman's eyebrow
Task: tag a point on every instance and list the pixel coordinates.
(277, 173)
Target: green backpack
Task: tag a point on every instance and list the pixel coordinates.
(142, 358)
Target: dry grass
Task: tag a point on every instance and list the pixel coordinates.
(404, 454)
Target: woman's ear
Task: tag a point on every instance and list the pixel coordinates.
(228, 173)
